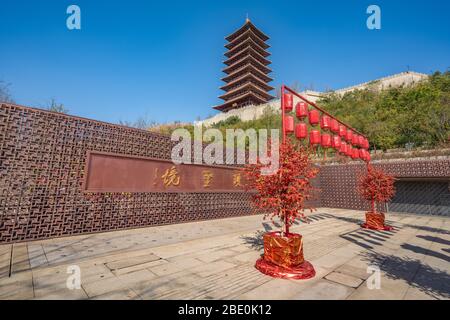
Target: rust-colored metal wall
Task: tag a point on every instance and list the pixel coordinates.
(338, 183)
(42, 161)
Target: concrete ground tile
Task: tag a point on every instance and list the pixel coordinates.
(185, 262)
(416, 294)
(358, 272)
(215, 255)
(329, 261)
(241, 248)
(126, 262)
(344, 279)
(22, 277)
(165, 269)
(63, 294)
(126, 294)
(117, 283)
(324, 290)
(247, 257)
(347, 252)
(167, 286)
(20, 260)
(389, 290)
(275, 289)
(212, 268)
(19, 290)
(138, 267)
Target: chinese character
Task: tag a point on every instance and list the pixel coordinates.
(156, 177)
(171, 177)
(237, 180)
(207, 178)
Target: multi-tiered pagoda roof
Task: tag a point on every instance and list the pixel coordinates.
(246, 80)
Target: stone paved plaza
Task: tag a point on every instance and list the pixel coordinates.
(215, 260)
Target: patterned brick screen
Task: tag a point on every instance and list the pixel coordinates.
(338, 183)
(42, 160)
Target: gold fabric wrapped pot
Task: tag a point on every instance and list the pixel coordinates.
(286, 251)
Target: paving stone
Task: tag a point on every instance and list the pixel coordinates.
(138, 267)
(64, 294)
(324, 290)
(185, 262)
(215, 255)
(126, 294)
(389, 290)
(416, 294)
(117, 283)
(274, 289)
(131, 262)
(330, 261)
(165, 269)
(344, 279)
(17, 287)
(212, 268)
(357, 272)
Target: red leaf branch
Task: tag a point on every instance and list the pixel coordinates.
(376, 186)
(284, 192)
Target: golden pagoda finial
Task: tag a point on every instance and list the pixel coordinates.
(247, 19)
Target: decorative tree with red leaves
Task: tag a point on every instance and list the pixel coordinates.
(376, 186)
(284, 192)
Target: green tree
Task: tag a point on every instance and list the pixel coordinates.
(414, 115)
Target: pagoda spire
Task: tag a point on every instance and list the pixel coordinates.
(246, 68)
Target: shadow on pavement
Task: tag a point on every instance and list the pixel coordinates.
(434, 282)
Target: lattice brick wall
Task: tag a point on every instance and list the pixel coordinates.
(42, 159)
(338, 183)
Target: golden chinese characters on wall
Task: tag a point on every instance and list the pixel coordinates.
(107, 172)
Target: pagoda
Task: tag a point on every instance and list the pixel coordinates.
(246, 80)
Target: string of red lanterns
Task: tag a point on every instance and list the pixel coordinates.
(333, 134)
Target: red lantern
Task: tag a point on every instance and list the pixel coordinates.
(326, 140)
(325, 122)
(301, 130)
(355, 154)
(361, 141)
(301, 110)
(366, 143)
(355, 140)
(342, 131)
(336, 142)
(368, 156)
(349, 150)
(288, 124)
(288, 102)
(314, 137)
(334, 125)
(349, 136)
(343, 149)
(362, 154)
(314, 117)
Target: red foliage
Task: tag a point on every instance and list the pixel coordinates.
(286, 190)
(376, 186)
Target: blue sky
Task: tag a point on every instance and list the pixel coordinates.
(163, 59)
